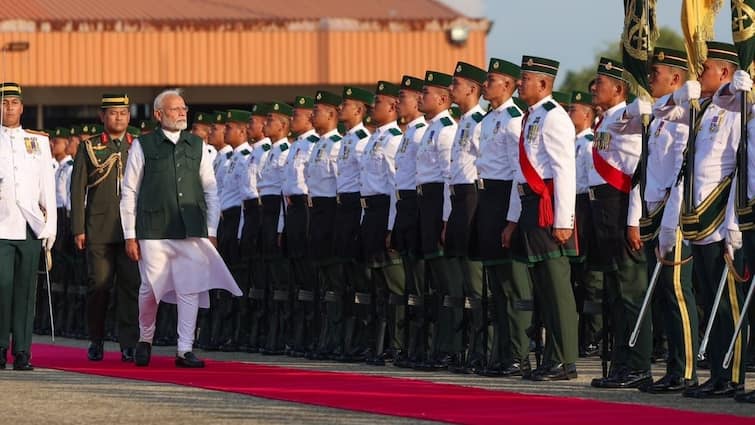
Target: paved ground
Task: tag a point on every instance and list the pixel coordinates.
(47, 396)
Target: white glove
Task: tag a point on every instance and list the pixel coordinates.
(666, 240)
(690, 90)
(741, 81)
(733, 241)
(49, 242)
(638, 108)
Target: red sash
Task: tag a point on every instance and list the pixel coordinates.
(613, 176)
(536, 183)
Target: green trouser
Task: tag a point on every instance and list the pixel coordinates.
(332, 325)
(392, 284)
(511, 294)
(19, 260)
(748, 245)
(463, 277)
(414, 336)
(625, 290)
(440, 337)
(279, 299)
(588, 292)
(675, 298)
(551, 284)
(709, 266)
(304, 278)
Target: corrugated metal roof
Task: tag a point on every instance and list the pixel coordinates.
(232, 10)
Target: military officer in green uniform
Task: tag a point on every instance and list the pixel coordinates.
(27, 198)
(96, 226)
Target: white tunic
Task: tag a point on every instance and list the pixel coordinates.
(620, 150)
(434, 155)
(499, 142)
(378, 167)
(27, 185)
(247, 178)
(220, 166)
(294, 178)
(323, 165)
(583, 154)
(63, 183)
(231, 195)
(349, 155)
(406, 156)
(466, 147)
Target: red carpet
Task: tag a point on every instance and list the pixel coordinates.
(383, 395)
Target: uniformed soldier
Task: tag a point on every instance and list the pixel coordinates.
(27, 195)
(651, 227)
(377, 190)
(201, 127)
(588, 284)
(357, 301)
(95, 224)
(507, 278)
(405, 236)
(709, 224)
(254, 285)
(321, 170)
(269, 186)
(542, 210)
(433, 160)
(460, 237)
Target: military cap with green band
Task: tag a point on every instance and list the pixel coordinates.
(62, 132)
(202, 118)
(438, 79)
(10, 89)
(409, 82)
(218, 117)
(580, 97)
(111, 100)
(237, 116)
(77, 130)
(470, 72)
(670, 57)
(539, 65)
(98, 128)
(561, 97)
(328, 98)
(722, 51)
(281, 108)
(500, 66)
(360, 95)
(260, 109)
(304, 102)
(611, 68)
(386, 88)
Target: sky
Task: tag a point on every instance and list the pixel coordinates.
(569, 31)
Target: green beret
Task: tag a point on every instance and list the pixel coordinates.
(386, 88)
(580, 97)
(134, 131)
(281, 108)
(218, 117)
(145, 125)
(561, 97)
(360, 95)
(111, 100)
(260, 109)
(438, 79)
(539, 65)
(327, 98)
(203, 118)
(62, 132)
(670, 57)
(611, 68)
(237, 116)
(722, 51)
(470, 72)
(412, 83)
(304, 102)
(455, 112)
(500, 66)
(10, 89)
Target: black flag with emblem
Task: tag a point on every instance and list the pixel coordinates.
(742, 31)
(638, 39)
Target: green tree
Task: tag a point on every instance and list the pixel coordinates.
(578, 80)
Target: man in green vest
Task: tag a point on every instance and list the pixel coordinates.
(170, 212)
(95, 223)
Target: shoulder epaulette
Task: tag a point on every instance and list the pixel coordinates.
(514, 111)
(313, 139)
(38, 133)
(589, 137)
(266, 147)
(395, 131)
(245, 152)
(446, 121)
(549, 105)
(284, 147)
(477, 117)
(420, 125)
(336, 138)
(361, 134)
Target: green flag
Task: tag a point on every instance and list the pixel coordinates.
(637, 41)
(742, 31)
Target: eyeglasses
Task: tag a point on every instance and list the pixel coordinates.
(176, 109)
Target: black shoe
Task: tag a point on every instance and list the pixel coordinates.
(127, 354)
(455, 363)
(142, 353)
(3, 357)
(668, 384)
(96, 351)
(613, 374)
(630, 379)
(189, 360)
(714, 388)
(493, 370)
(589, 350)
(559, 372)
(745, 397)
(517, 369)
(402, 360)
(21, 361)
(228, 347)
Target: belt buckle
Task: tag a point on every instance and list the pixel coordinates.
(338, 199)
(419, 190)
(398, 195)
(309, 201)
(363, 203)
(591, 193)
(520, 189)
(451, 189)
(480, 184)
